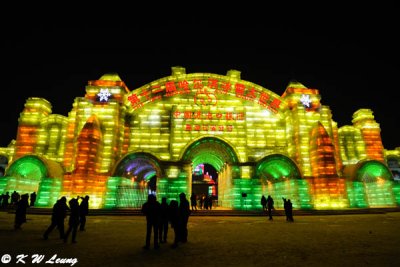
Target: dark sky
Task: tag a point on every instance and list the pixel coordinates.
(350, 56)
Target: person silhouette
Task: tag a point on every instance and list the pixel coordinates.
(151, 208)
(264, 202)
(20, 212)
(270, 206)
(163, 227)
(6, 197)
(286, 208)
(173, 217)
(290, 210)
(83, 212)
(73, 221)
(183, 218)
(58, 215)
(193, 201)
(33, 199)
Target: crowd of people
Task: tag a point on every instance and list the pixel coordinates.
(267, 204)
(203, 201)
(11, 201)
(78, 209)
(160, 215)
(20, 203)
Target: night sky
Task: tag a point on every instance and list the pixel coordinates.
(350, 56)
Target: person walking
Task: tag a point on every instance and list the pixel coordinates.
(163, 227)
(73, 221)
(83, 212)
(58, 215)
(151, 208)
(270, 206)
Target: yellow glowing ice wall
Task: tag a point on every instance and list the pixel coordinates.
(327, 188)
(306, 112)
(29, 124)
(316, 146)
(168, 115)
(352, 145)
(94, 138)
(51, 137)
(363, 119)
(7, 153)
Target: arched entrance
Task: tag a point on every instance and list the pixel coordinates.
(277, 167)
(33, 173)
(135, 177)
(25, 174)
(280, 177)
(377, 183)
(209, 157)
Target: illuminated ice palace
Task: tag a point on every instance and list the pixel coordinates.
(118, 145)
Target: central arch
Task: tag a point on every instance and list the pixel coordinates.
(211, 150)
(208, 156)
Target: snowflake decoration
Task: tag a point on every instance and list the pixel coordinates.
(305, 100)
(104, 95)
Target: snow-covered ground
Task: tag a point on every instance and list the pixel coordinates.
(316, 240)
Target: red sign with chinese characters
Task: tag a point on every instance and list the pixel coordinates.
(205, 92)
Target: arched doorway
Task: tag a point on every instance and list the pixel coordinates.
(25, 174)
(277, 167)
(135, 177)
(280, 177)
(377, 183)
(209, 157)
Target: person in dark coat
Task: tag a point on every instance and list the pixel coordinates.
(270, 206)
(163, 227)
(15, 197)
(73, 221)
(183, 218)
(193, 201)
(151, 209)
(5, 202)
(58, 216)
(286, 208)
(264, 202)
(20, 212)
(173, 217)
(33, 199)
(290, 210)
(83, 212)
